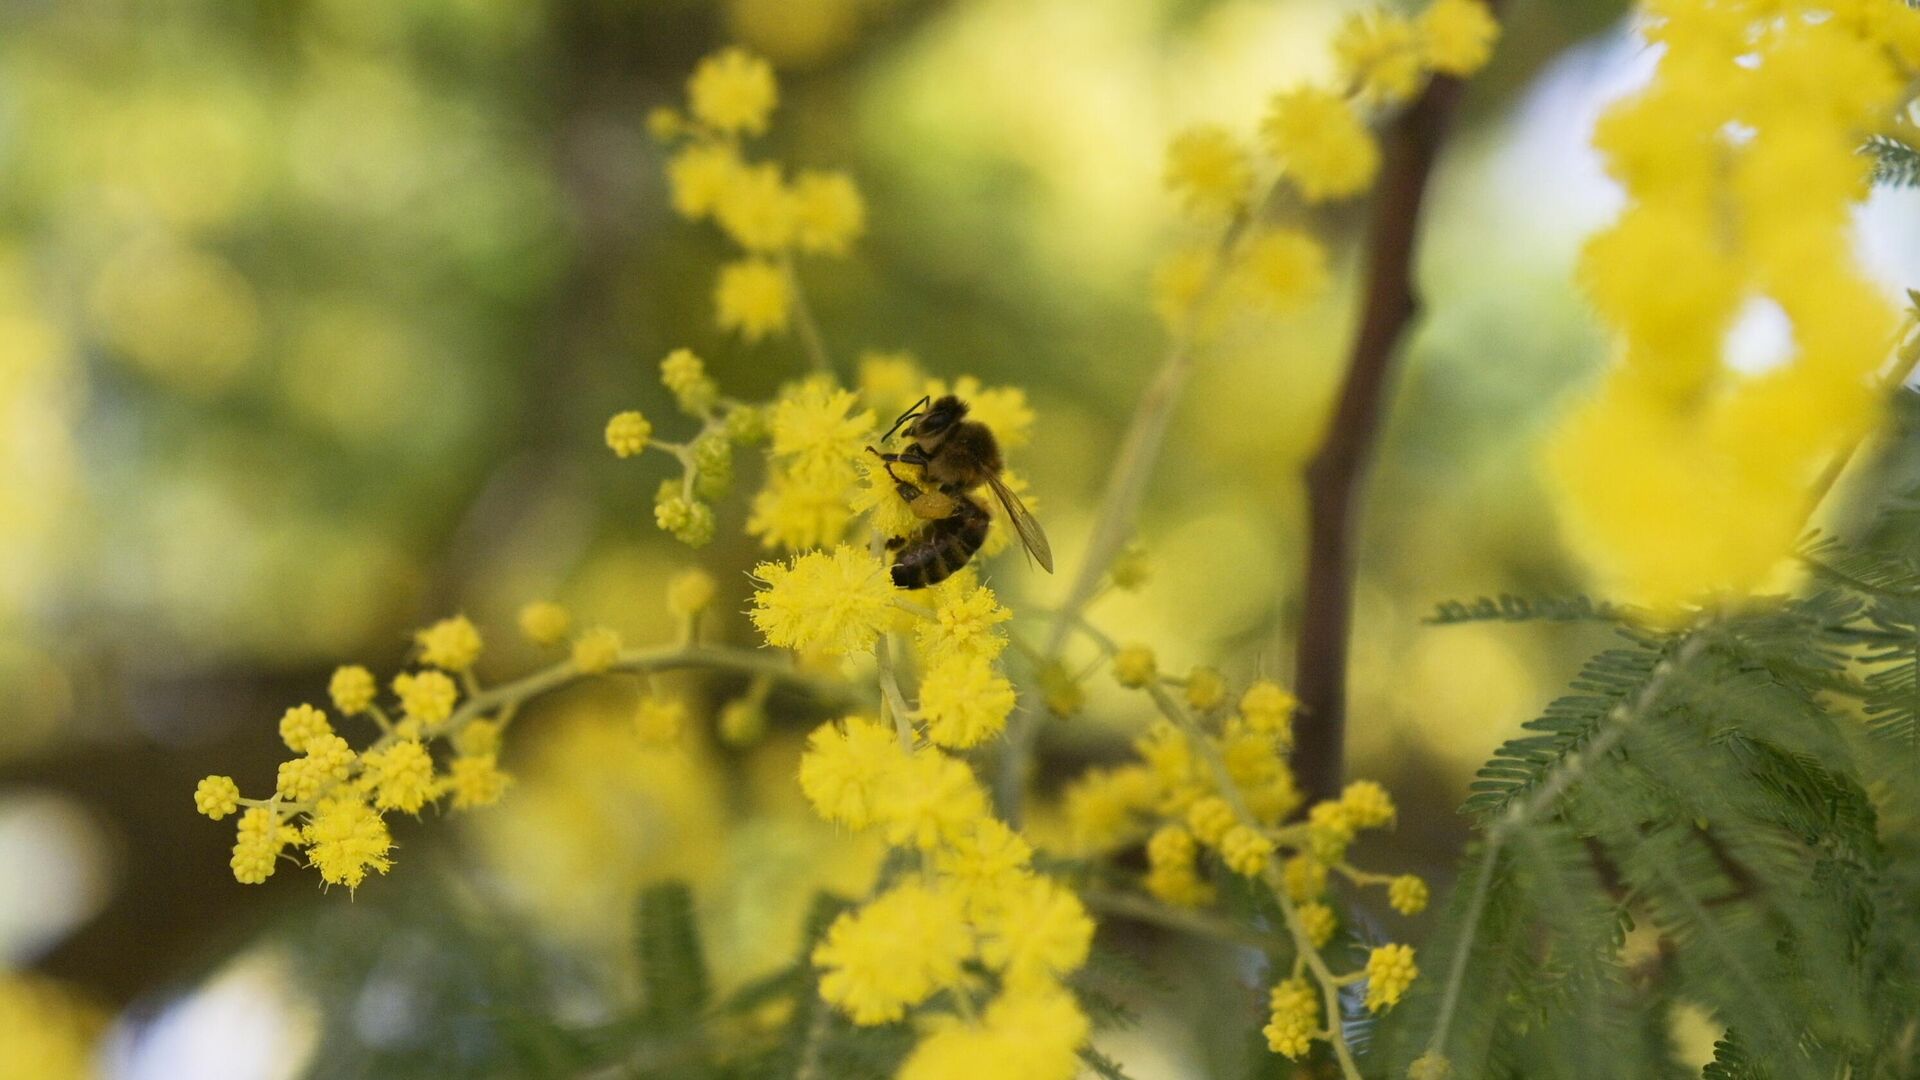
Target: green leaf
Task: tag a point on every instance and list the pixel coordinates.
(673, 968)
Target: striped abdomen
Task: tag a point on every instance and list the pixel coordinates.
(942, 547)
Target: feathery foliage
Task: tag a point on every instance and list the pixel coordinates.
(1895, 163)
(1722, 816)
(1510, 608)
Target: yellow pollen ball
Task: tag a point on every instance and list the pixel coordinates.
(1295, 1019)
(302, 724)
(1390, 970)
(1367, 804)
(628, 433)
(1245, 850)
(352, 689)
(1318, 921)
(1407, 894)
(426, 696)
(216, 797)
(453, 644)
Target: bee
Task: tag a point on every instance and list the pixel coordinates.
(956, 455)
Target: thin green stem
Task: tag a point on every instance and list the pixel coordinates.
(1191, 921)
(1119, 507)
(809, 328)
(1271, 874)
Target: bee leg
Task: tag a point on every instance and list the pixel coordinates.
(895, 543)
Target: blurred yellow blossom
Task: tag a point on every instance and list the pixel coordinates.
(1380, 54)
(685, 375)
(544, 622)
(752, 297)
(733, 91)
(1322, 144)
(1458, 35)
(829, 214)
(1319, 921)
(596, 649)
(1210, 169)
(1135, 666)
(1284, 268)
(1028, 1032)
(1245, 850)
(756, 210)
(659, 722)
(699, 176)
(1039, 933)
(895, 951)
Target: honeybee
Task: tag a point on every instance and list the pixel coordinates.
(956, 455)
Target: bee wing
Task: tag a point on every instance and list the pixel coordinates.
(1023, 522)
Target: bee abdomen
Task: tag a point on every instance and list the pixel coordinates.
(942, 548)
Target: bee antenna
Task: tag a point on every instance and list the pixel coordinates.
(906, 416)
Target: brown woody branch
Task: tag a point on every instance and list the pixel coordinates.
(1338, 469)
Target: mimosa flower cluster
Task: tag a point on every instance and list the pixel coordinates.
(967, 932)
(1742, 168)
(435, 740)
(1212, 794)
(1314, 141)
(768, 215)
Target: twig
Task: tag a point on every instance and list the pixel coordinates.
(1338, 468)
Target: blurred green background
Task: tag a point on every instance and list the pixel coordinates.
(310, 316)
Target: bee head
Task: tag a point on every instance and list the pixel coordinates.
(932, 425)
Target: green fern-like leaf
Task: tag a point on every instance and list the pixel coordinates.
(1895, 164)
(1603, 685)
(1510, 608)
(673, 966)
(1103, 1066)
